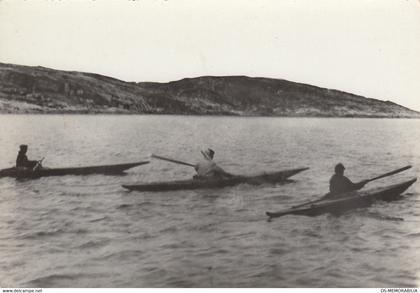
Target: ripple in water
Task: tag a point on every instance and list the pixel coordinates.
(87, 231)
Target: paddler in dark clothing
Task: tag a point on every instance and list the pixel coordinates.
(22, 161)
(207, 168)
(340, 183)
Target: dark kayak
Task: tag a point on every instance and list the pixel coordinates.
(103, 169)
(347, 201)
(273, 177)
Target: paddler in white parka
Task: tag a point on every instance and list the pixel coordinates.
(207, 168)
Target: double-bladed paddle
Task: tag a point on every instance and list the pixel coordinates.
(226, 174)
(369, 180)
(172, 160)
(390, 173)
(38, 164)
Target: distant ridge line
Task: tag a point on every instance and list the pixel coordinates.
(42, 90)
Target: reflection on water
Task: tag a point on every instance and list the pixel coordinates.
(86, 231)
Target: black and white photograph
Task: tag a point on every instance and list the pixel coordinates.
(210, 144)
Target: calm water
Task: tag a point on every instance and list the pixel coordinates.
(77, 231)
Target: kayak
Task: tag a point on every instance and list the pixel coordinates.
(273, 177)
(351, 200)
(347, 201)
(103, 169)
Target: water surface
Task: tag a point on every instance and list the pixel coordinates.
(87, 231)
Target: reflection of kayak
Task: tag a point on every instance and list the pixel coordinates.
(272, 177)
(351, 200)
(104, 169)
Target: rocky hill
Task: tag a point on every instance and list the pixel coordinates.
(25, 89)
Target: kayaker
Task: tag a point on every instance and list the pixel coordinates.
(22, 161)
(340, 183)
(207, 168)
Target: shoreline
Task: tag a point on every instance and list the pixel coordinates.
(206, 115)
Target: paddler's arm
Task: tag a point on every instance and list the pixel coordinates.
(355, 186)
(196, 176)
(361, 184)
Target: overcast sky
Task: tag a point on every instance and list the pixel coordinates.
(371, 48)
